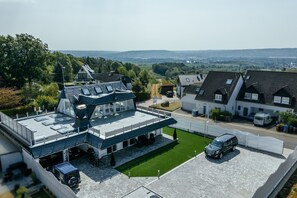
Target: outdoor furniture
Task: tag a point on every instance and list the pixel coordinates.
(17, 173)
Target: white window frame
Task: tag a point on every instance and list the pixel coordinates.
(255, 96)
(277, 99)
(247, 95)
(218, 97)
(286, 100)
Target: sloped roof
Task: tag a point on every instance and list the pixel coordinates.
(75, 93)
(186, 80)
(216, 81)
(191, 89)
(270, 83)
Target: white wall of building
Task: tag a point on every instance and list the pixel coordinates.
(254, 108)
(230, 106)
(188, 102)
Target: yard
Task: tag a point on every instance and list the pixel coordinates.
(166, 158)
(172, 106)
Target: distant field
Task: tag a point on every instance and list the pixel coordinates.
(168, 157)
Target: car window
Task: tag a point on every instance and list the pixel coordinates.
(217, 143)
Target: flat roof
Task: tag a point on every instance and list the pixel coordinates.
(6, 146)
(55, 125)
(112, 125)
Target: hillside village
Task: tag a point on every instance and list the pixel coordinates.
(74, 126)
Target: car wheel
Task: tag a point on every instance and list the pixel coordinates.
(221, 155)
(233, 148)
(72, 182)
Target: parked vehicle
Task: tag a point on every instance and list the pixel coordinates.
(169, 94)
(262, 119)
(67, 174)
(220, 145)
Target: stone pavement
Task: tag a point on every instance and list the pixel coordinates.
(238, 174)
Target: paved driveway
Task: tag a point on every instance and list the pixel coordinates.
(238, 174)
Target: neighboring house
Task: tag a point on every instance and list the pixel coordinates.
(84, 74)
(188, 101)
(184, 81)
(166, 87)
(99, 116)
(219, 90)
(267, 91)
(111, 77)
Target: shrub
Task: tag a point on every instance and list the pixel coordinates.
(215, 113)
(48, 102)
(22, 110)
(174, 134)
(292, 121)
(285, 116)
(9, 98)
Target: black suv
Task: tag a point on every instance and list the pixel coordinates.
(221, 145)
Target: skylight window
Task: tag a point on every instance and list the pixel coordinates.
(98, 90)
(188, 79)
(85, 91)
(197, 90)
(229, 81)
(109, 88)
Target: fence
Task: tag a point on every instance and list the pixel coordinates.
(277, 180)
(19, 130)
(47, 178)
(247, 139)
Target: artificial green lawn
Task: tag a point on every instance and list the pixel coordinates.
(167, 157)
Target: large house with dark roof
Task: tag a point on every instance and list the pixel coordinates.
(267, 91)
(219, 90)
(99, 116)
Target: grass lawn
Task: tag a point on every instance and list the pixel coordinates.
(166, 158)
(172, 106)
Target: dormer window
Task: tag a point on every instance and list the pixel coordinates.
(281, 100)
(109, 88)
(251, 96)
(85, 91)
(218, 97)
(255, 96)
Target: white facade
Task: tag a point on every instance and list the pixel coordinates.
(188, 102)
(204, 107)
(246, 108)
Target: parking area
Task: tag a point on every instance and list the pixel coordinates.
(237, 174)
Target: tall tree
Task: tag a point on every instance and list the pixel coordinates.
(62, 61)
(24, 58)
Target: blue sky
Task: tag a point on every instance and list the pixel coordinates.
(153, 24)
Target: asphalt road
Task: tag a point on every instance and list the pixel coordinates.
(290, 140)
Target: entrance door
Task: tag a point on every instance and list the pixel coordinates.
(245, 111)
(204, 110)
